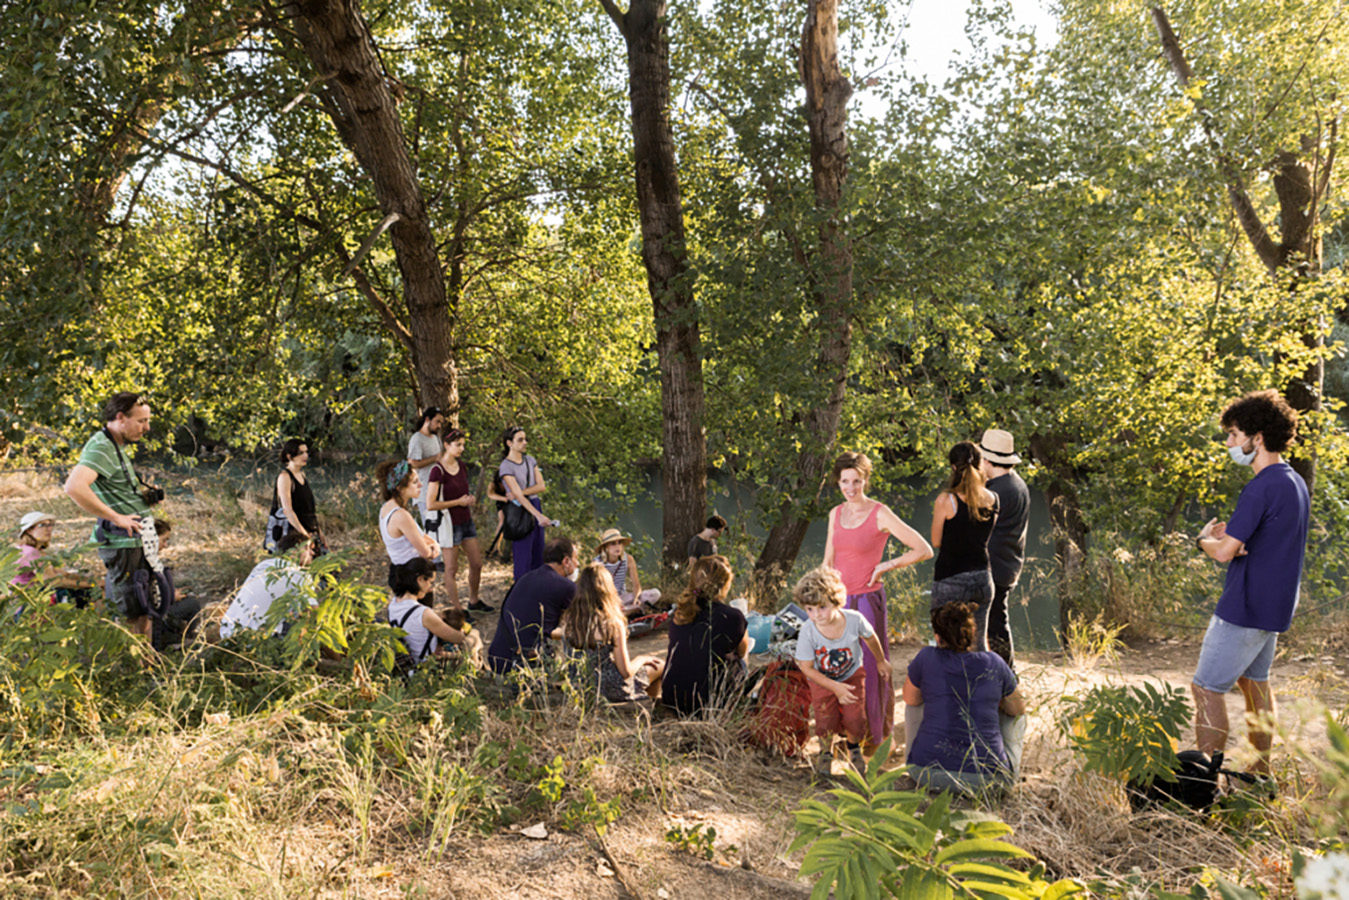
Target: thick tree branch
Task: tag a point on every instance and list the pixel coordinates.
(373, 297)
(1323, 181)
(616, 14)
(1247, 216)
(369, 242)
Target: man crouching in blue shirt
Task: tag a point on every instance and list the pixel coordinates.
(534, 607)
(1264, 543)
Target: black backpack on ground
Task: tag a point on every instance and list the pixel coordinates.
(1196, 784)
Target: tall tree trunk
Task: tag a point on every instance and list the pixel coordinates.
(1067, 521)
(1296, 256)
(827, 95)
(357, 96)
(684, 457)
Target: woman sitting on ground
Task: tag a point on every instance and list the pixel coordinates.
(963, 710)
(403, 537)
(410, 610)
(595, 635)
(708, 642)
(35, 537)
(622, 568)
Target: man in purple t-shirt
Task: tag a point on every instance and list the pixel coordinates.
(1264, 544)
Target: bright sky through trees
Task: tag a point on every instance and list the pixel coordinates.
(936, 32)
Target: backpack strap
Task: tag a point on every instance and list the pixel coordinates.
(429, 638)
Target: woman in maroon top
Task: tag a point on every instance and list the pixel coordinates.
(859, 528)
(448, 495)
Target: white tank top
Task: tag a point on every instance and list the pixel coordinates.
(420, 642)
(400, 548)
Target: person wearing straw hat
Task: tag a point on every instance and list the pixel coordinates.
(612, 553)
(1007, 543)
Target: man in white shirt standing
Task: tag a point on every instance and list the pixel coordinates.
(423, 448)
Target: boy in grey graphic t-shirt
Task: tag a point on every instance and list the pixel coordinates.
(829, 653)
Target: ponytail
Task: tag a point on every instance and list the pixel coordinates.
(510, 432)
(967, 480)
(710, 580)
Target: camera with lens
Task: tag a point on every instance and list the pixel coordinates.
(152, 495)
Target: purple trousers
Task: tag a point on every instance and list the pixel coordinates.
(527, 555)
(880, 700)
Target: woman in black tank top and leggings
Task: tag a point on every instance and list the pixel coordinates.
(962, 519)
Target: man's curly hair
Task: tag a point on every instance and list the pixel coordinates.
(1264, 413)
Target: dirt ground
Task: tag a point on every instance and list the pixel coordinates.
(746, 796)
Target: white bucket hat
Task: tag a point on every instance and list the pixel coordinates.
(999, 446)
(31, 519)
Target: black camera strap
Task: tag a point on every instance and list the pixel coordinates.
(127, 469)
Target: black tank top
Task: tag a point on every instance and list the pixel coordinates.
(964, 542)
(301, 502)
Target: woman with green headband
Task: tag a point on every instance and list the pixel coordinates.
(403, 537)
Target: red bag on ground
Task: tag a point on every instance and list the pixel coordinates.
(781, 721)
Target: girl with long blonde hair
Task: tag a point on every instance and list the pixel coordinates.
(708, 642)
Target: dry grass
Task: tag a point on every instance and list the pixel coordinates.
(289, 802)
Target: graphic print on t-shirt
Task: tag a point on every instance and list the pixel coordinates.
(833, 662)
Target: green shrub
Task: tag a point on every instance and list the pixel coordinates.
(1148, 588)
(1128, 733)
(871, 841)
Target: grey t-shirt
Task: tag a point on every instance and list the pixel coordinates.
(524, 473)
(837, 659)
(423, 446)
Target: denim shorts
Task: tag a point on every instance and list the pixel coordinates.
(1231, 652)
(464, 531)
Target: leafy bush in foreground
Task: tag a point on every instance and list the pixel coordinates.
(871, 841)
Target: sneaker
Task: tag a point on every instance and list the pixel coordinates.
(824, 764)
(859, 762)
(479, 606)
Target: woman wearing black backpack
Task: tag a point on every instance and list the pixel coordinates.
(410, 610)
(524, 483)
(293, 506)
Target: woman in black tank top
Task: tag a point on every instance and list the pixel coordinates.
(962, 520)
(292, 497)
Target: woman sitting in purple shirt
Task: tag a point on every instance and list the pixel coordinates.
(963, 714)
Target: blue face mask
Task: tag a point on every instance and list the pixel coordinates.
(1242, 457)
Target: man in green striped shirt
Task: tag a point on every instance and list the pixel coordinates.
(103, 483)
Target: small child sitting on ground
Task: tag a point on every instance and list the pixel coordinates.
(829, 652)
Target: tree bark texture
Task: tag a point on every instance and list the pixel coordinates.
(661, 208)
(356, 94)
(827, 95)
(1067, 521)
(1296, 256)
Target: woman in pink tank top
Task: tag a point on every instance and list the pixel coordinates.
(859, 529)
